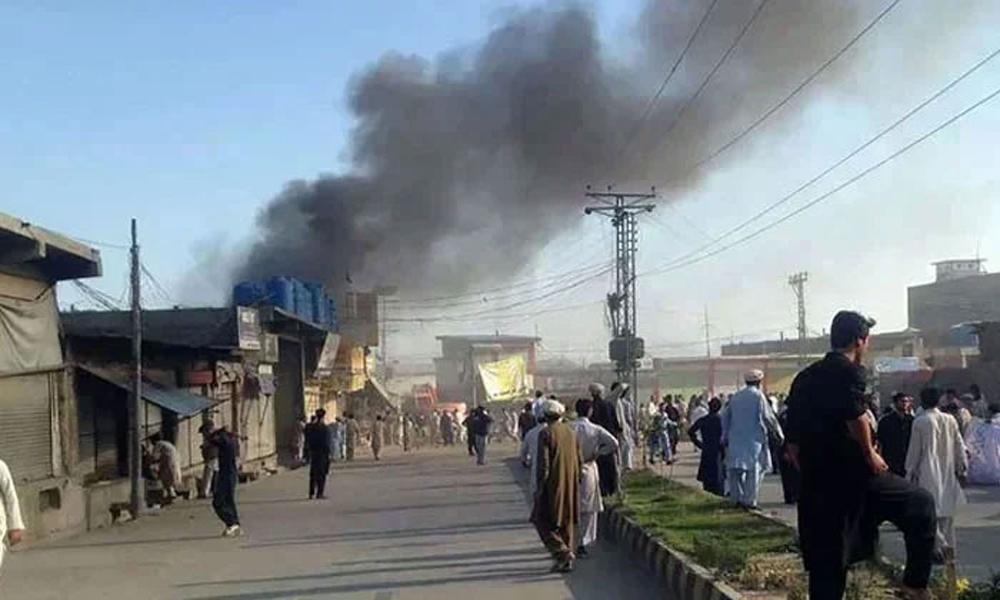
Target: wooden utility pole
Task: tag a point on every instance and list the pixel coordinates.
(137, 498)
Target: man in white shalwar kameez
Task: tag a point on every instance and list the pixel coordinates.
(529, 452)
(983, 441)
(746, 422)
(936, 461)
(11, 523)
(594, 441)
(169, 460)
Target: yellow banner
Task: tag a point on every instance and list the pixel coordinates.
(505, 380)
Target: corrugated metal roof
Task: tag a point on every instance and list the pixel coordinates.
(189, 327)
(176, 400)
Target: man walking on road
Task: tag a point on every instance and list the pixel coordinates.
(846, 492)
(11, 523)
(478, 424)
(352, 431)
(747, 422)
(525, 420)
(594, 441)
(556, 512)
(894, 433)
(606, 415)
(318, 442)
(378, 433)
(936, 461)
(224, 492)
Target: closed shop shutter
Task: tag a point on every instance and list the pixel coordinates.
(26, 425)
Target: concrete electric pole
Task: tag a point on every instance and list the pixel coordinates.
(137, 497)
(625, 348)
(798, 283)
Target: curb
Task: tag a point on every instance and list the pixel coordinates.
(685, 580)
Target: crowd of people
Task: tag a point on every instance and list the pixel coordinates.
(846, 468)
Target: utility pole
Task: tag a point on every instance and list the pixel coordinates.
(798, 283)
(137, 498)
(708, 335)
(625, 348)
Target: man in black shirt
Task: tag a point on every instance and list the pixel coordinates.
(479, 429)
(318, 443)
(606, 415)
(894, 433)
(846, 490)
(224, 488)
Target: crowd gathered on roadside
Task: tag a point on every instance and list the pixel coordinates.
(846, 462)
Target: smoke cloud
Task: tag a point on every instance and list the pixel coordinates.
(464, 167)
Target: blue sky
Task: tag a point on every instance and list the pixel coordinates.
(191, 115)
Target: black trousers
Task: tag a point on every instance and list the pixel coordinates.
(790, 480)
(911, 509)
(470, 440)
(319, 467)
(224, 498)
(608, 470)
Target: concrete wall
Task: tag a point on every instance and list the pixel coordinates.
(939, 306)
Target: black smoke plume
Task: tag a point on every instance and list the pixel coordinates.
(463, 168)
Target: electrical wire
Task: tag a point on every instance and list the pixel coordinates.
(684, 263)
(623, 150)
(718, 65)
(784, 101)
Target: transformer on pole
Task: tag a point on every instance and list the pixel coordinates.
(626, 348)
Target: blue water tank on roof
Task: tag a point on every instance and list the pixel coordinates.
(248, 293)
(317, 302)
(303, 300)
(281, 293)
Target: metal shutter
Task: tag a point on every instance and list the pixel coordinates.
(26, 425)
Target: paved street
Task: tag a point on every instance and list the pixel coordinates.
(978, 523)
(426, 526)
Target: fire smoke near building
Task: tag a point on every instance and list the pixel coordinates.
(465, 166)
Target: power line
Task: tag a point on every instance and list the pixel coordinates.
(509, 286)
(651, 103)
(102, 244)
(822, 197)
(715, 69)
(484, 298)
(885, 131)
(784, 101)
(482, 315)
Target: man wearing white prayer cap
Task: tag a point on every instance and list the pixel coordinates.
(746, 422)
(556, 510)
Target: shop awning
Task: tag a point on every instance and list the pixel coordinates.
(176, 400)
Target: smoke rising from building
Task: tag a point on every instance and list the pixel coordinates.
(464, 167)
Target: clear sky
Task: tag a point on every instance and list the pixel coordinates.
(191, 115)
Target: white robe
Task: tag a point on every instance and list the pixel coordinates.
(983, 440)
(529, 450)
(10, 508)
(594, 441)
(935, 459)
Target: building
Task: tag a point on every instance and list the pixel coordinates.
(37, 403)
(901, 344)
(724, 374)
(950, 270)
(962, 293)
(456, 370)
